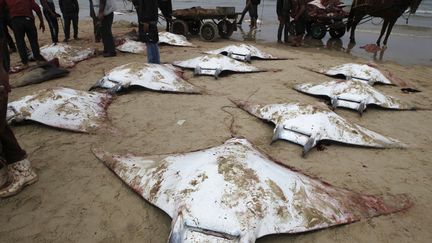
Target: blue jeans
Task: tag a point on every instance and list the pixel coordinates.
(153, 53)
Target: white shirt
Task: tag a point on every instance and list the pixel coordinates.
(110, 6)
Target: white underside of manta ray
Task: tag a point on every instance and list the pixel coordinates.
(174, 39)
(306, 125)
(243, 52)
(234, 193)
(68, 55)
(62, 108)
(131, 46)
(360, 72)
(159, 77)
(352, 94)
(213, 65)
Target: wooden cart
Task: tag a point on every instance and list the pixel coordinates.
(208, 23)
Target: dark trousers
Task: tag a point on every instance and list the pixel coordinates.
(53, 26)
(67, 24)
(10, 41)
(10, 150)
(5, 57)
(106, 33)
(253, 11)
(166, 9)
(21, 27)
(4, 52)
(283, 27)
(96, 29)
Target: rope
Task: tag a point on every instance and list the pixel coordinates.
(231, 126)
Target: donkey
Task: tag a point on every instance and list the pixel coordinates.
(389, 10)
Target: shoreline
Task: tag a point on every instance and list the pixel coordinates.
(404, 41)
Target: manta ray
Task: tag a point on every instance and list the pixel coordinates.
(62, 108)
(360, 72)
(164, 38)
(306, 125)
(214, 65)
(158, 77)
(369, 73)
(174, 39)
(67, 55)
(235, 193)
(131, 46)
(243, 52)
(353, 94)
(38, 74)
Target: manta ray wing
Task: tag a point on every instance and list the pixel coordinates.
(174, 39)
(234, 193)
(131, 46)
(63, 108)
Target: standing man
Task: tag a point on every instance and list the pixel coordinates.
(70, 11)
(165, 7)
(253, 13)
(51, 18)
(15, 170)
(283, 8)
(105, 15)
(148, 33)
(23, 23)
(299, 20)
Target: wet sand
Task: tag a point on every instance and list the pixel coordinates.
(78, 199)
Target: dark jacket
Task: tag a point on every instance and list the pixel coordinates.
(148, 10)
(283, 7)
(69, 7)
(165, 7)
(148, 13)
(255, 2)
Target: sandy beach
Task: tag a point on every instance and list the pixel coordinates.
(78, 199)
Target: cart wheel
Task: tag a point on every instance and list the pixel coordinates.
(226, 29)
(337, 31)
(318, 31)
(179, 27)
(194, 27)
(209, 31)
(308, 27)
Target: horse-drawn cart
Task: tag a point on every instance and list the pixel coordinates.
(323, 16)
(208, 23)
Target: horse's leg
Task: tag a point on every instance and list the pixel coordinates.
(355, 22)
(383, 29)
(390, 27)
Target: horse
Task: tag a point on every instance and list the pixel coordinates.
(389, 10)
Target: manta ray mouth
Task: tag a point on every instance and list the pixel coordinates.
(197, 233)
